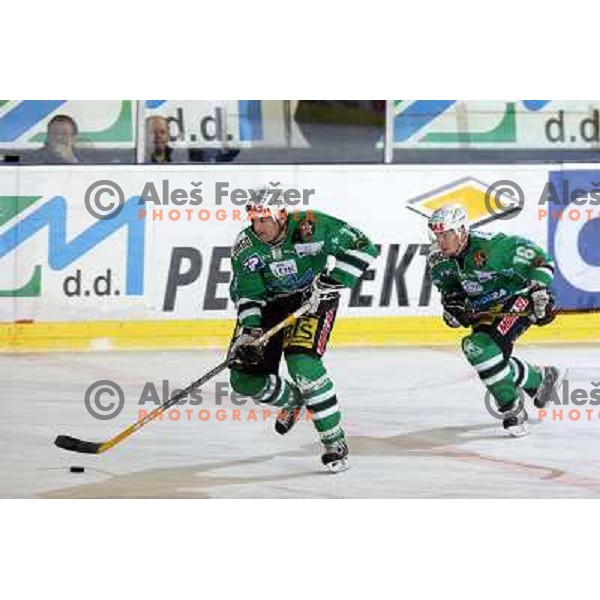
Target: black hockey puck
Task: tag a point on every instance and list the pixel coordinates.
(76, 469)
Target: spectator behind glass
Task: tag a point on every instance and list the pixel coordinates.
(158, 149)
(59, 147)
(157, 141)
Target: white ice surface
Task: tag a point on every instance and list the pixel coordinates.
(415, 419)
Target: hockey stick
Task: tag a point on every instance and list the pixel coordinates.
(560, 311)
(67, 442)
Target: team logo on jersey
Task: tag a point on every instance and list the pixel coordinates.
(284, 268)
(471, 349)
(305, 231)
(480, 258)
(254, 263)
(308, 249)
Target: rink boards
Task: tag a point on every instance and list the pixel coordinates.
(156, 274)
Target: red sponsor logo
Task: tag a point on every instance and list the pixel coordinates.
(325, 332)
(506, 324)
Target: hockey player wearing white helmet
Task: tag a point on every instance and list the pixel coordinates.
(479, 274)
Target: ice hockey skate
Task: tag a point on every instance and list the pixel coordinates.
(515, 423)
(335, 456)
(289, 415)
(552, 378)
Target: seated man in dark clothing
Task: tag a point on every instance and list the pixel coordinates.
(59, 147)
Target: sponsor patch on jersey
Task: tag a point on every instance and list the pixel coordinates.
(472, 287)
(483, 276)
(507, 323)
(520, 304)
(293, 283)
(325, 331)
(242, 244)
(254, 263)
(284, 268)
(302, 333)
(492, 297)
(309, 249)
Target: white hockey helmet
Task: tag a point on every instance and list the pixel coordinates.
(266, 202)
(452, 217)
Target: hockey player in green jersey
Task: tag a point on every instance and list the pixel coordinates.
(479, 274)
(280, 262)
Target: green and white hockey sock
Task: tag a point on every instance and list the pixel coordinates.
(493, 369)
(267, 389)
(277, 392)
(319, 395)
(525, 376)
(321, 399)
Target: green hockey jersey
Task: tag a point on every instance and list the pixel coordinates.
(493, 268)
(263, 272)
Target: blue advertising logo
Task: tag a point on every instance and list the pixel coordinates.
(61, 253)
(574, 237)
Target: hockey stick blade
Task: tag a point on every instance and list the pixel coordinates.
(66, 442)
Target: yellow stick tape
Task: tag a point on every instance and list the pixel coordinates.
(213, 333)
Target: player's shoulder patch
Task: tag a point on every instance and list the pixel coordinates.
(254, 262)
(242, 242)
(435, 255)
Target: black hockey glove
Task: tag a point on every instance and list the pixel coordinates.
(243, 351)
(543, 307)
(456, 310)
(323, 288)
